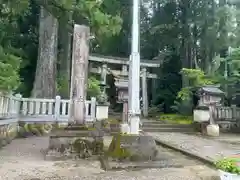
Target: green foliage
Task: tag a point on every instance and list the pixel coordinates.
(154, 111)
(92, 91)
(93, 87)
(169, 82)
(115, 150)
(9, 67)
(90, 12)
(10, 57)
(230, 165)
(197, 78)
(176, 118)
(63, 86)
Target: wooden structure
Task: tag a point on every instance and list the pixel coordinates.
(120, 67)
(210, 94)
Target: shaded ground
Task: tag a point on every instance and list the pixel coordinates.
(22, 160)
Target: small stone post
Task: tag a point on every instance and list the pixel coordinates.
(104, 76)
(79, 77)
(144, 92)
(57, 107)
(234, 112)
(18, 104)
(93, 108)
(125, 112)
(11, 108)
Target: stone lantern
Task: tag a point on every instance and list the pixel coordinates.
(102, 103)
(209, 97)
(122, 90)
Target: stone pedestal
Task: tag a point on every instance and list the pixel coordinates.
(201, 114)
(102, 111)
(213, 130)
(124, 128)
(133, 147)
(76, 142)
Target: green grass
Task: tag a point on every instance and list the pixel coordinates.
(176, 118)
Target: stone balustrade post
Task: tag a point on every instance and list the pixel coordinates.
(57, 107)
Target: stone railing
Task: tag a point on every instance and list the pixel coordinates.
(34, 116)
(39, 109)
(223, 114)
(210, 119)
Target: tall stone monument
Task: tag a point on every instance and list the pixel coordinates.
(78, 139)
(79, 74)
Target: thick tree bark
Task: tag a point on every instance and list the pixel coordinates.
(64, 74)
(45, 77)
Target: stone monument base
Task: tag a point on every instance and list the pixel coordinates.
(213, 130)
(75, 141)
(132, 147)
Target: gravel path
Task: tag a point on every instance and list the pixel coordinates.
(22, 160)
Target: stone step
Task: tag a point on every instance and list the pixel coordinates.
(153, 122)
(150, 125)
(168, 129)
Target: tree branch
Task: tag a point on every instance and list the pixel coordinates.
(52, 7)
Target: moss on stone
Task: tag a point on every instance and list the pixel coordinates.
(115, 150)
(86, 147)
(176, 118)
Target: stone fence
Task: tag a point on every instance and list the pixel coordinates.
(36, 109)
(35, 116)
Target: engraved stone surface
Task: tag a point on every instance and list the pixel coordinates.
(79, 72)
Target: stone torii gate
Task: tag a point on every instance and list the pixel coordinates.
(107, 62)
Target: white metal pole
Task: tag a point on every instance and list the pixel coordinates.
(134, 74)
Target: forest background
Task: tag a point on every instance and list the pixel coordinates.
(196, 41)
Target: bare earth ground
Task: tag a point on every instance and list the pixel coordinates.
(22, 160)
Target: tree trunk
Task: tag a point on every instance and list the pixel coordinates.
(64, 74)
(45, 77)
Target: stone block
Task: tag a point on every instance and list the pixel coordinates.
(77, 141)
(133, 147)
(8, 132)
(124, 128)
(213, 130)
(27, 129)
(101, 112)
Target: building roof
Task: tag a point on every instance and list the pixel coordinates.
(211, 90)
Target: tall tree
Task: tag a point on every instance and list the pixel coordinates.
(45, 77)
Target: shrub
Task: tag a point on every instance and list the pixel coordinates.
(9, 68)
(177, 118)
(230, 165)
(154, 111)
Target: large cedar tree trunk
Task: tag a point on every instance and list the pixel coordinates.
(64, 73)
(45, 77)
